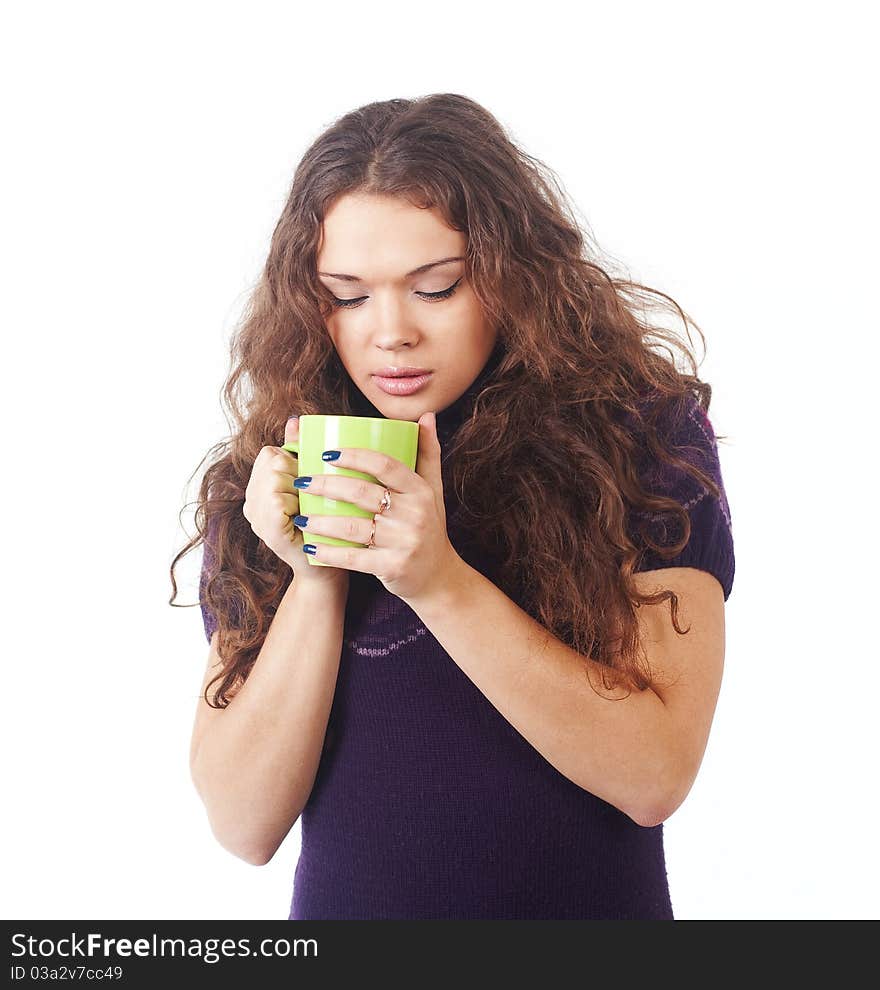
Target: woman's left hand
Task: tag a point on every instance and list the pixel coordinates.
(411, 554)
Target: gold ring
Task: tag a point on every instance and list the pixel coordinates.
(383, 505)
(369, 543)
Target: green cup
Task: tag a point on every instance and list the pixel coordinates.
(399, 438)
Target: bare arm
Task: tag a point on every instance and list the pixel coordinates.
(640, 753)
(254, 762)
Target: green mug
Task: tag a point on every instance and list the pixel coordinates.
(399, 438)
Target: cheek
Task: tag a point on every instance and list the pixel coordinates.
(340, 341)
(337, 330)
(470, 320)
(461, 313)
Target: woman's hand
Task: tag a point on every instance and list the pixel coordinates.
(411, 554)
(270, 502)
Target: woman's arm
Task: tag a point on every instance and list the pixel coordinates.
(641, 753)
(254, 762)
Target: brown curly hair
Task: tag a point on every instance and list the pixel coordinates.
(580, 383)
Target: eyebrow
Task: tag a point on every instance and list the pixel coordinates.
(415, 271)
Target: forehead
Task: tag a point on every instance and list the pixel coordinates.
(376, 237)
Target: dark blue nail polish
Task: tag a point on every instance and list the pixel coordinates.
(303, 482)
(330, 455)
(310, 549)
(300, 521)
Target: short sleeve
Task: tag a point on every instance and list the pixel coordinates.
(209, 620)
(710, 546)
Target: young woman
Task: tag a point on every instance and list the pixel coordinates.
(488, 709)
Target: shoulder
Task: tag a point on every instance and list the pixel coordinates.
(685, 430)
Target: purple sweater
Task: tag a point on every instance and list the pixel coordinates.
(428, 804)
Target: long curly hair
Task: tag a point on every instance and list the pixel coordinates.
(581, 382)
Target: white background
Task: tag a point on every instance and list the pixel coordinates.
(722, 155)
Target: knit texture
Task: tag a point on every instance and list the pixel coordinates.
(428, 804)
(710, 546)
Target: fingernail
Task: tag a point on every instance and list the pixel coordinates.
(330, 455)
(310, 549)
(303, 482)
(301, 521)
(290, 419)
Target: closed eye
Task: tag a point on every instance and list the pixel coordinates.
(427, 296)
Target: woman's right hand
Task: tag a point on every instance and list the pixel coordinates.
(271, 501)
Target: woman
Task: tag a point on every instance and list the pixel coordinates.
(490, 708)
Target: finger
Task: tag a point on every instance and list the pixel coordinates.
(287, 503)
(291, 430)
(284, 471)
(285, 462)
(367, 561)
(355, 491)
(387, 470)
(429, 456)
(352, 528)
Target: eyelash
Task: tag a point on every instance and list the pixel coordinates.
(427, 296)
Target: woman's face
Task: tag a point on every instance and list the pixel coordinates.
(377, 242)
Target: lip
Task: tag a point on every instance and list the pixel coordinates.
(390, 371)
(402, 384)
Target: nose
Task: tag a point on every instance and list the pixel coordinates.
(394, 327)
